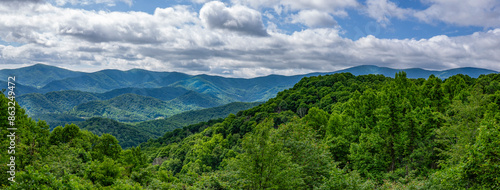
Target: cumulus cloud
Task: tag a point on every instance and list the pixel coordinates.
(331, 6)
(215, 15)
(384, 10)
(179, 39)
(133, 27)
(484, 13)
(46, 24)
(314, 18)
(438, 52)
(16, 4)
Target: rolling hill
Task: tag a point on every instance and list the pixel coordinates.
(44, 78)
(413, 72)
(54, 102)
(134, 108)
(239, 89)
(107, 80)
(133, 134)
(160, 126)
(38, 75)
(60, 90)
(20, 88)
(126, 134)
(62, 101)
(69, 105)
(162, 93)
(337, 131)
(382, 129)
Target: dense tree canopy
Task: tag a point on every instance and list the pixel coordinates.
(327, 132)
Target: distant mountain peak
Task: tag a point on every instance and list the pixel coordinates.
(415, 68)
(38, 75)
(43, 65)
(414, 72)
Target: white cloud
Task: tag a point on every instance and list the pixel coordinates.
(439, 52)
(285, 7)
(215, 15)
(45, 24)
(176, 39)
(331, 6)
(13, 4)
(384, 10)
(484, 13)
(314, 18)
(90, 2)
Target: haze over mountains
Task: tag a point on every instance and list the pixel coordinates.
(138, 95)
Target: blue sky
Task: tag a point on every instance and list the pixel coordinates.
(249, 38)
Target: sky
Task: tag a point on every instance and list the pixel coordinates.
(250, 38)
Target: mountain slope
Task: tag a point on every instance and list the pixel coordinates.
(106, 80)
(414, 72)
(126, 134)
(192, 98)
(20, 88)
(163, 93)
(128, 108)
(54, 102)
(329, 132)
(183, 92)
(239, 89)
(50, 78)
(61, 101)
(371, 131)
(196, 116)
(38, 75)
(134, 134)
(470, 71)
(160, 126)
(134, 108)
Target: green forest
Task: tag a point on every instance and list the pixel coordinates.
(337, 131)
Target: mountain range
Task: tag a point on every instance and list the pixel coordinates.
(42, 78)
(133, 134)
(138, 95)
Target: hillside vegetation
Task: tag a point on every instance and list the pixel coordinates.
(126, 134)
(56, 91)
(133, 134)
(60, 106)
(338, 131)
(160, 126)
(44, 75)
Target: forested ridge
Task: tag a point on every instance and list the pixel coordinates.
(61, 96)
(336, 131)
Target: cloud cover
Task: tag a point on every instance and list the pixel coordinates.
(314, 19)
(238, 18)
(482, 13)
(222, 39)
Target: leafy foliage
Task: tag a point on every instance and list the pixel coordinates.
(327, 132)
(161, 126)
(128, 135)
